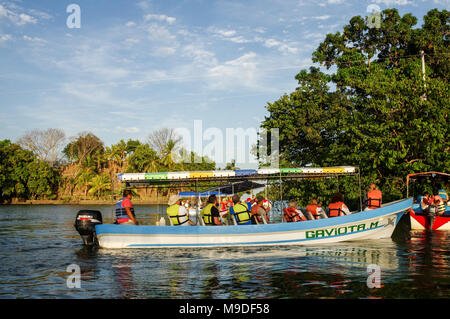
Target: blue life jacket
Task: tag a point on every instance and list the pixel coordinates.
(121, 211)
(443, 194)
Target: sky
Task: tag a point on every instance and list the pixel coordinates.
(136, 66)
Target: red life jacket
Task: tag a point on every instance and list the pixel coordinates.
(374, 198)
(335, 209)
(291, 215)
(313, 210)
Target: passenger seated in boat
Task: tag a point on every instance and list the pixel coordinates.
(292, 213)
(259, 213)
(124, 210)
(224, 204)
(267, 205)
(424, 202)
(373, 197)
(210, 214)
(315, 209)
(438, 205)
(177, 213)
(337, 207)
(240, 212)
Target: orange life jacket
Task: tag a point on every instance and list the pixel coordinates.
(335, 209)
(313, 210)
(374, 198)
(291, 215)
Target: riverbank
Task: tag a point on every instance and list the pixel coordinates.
(85, 202)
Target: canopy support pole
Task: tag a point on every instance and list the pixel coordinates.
(281, 199)
(360, 195)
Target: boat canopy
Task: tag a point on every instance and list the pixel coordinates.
(437, 177)
(232, 176)
(427, 175)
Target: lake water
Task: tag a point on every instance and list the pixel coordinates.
(39, 243)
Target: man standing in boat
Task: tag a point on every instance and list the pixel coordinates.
(124, 210)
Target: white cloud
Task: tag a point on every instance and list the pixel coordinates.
(323, 17)
(130, 24)
(239, 72)
(280, 46)
(160, 17)
(199, 55)
(18, 19)
(238, 39)
(4, 38)
(393, 2)
(128, 129)
(159, 33)
(34, 39)
(225, 33)
(40, 14)
(132, 41)
(163, 51)
(3, 11)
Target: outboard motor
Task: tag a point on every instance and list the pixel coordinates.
(85, 225)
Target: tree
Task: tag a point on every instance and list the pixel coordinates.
(159, 139)
(99, 184)
(143, 159)
(24, 176)
(45, 144)
(83, 145)
(376, 118)
(83, 180)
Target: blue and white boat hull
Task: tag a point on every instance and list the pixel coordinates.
(373, 224)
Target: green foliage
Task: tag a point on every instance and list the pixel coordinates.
(99, 184)
(143, 159)
(377, 117)
(85, 145)
(23, 176)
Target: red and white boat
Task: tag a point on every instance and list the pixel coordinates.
(421, 220)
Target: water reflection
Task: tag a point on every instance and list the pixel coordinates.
(245, 272)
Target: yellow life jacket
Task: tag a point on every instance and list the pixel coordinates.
(174, 214)
(241, 213)
(206, 215)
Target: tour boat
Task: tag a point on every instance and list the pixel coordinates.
(372, 224)
(421, 220)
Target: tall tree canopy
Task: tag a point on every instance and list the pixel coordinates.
(372, 108)
(84, 145)
(24, 176)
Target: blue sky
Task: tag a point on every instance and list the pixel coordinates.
(134, 67)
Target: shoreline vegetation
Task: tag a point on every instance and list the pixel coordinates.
(159, 201)
(377, 98)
